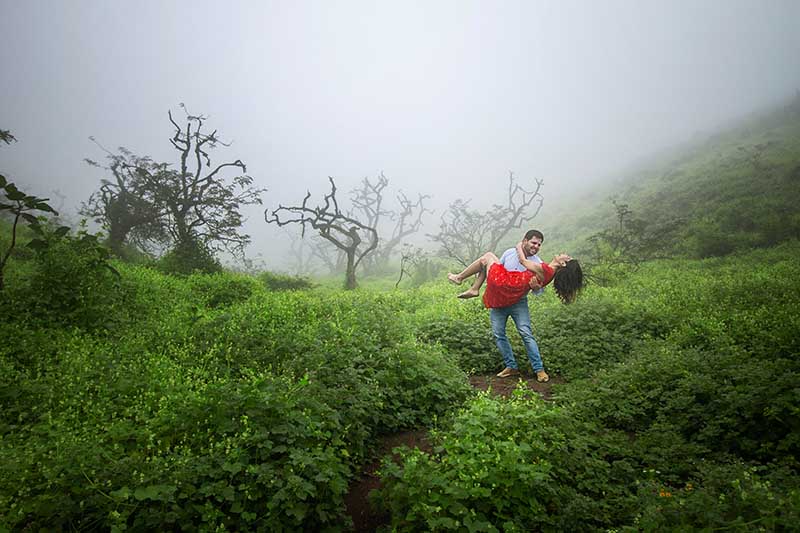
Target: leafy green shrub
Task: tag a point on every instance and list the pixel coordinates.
(687, 404)
(262, 454)
(24, 352)
(187, 258)
(470, 342)
(730, 497)
(421, 267)
(182, 437)
(354, 343)
(425, 271)
(705, 238)
(284, 282)
(579, 339)
(21, 207)
(70, 283)
(221, 289)
(512, 465)
(415, 385)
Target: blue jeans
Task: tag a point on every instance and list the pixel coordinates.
(522, 319)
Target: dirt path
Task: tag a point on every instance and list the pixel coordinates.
(356, 501)
(505, 386)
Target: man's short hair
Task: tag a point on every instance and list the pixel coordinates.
(534, 233)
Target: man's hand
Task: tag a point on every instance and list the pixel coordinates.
(535, 283)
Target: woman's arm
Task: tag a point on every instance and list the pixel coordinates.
(527, 263)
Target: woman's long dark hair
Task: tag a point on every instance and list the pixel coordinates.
(568, 281)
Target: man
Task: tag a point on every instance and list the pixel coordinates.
(519, 313)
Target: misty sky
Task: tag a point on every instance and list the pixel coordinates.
(444, 97)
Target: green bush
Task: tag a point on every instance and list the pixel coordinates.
(425, 270)
(263, 453)
(252, 417)
(68, 282)
(221, 289)
(189, 257)
(471, 342)
(579, 339)
(515, 465)
(283, 282)
(729, 497)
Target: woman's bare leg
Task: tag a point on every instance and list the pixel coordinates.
(475, 290)
(479, 268)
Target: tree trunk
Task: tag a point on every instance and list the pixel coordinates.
(116, 239)
(350, 275)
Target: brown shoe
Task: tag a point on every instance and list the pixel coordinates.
(542, 377)
(508, 372)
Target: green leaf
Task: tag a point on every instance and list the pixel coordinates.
(124, 493)
(29, 218)
(233, 468)
(3, 181)
(13, 193)
(61, 231)
(42, 206)
(153, 492)
(37, 244)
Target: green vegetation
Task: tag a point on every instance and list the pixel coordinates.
(680, 413)
(205, 401)
(211, 401)
(134, 399)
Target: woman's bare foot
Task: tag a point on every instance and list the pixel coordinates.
(454, 279)
(471, 293)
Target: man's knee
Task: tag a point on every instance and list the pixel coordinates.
(499, 331)
(525, 331)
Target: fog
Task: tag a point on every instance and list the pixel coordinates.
(443, 97)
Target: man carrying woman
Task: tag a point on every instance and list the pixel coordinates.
(508, 280)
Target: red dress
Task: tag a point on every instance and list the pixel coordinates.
(506, 287)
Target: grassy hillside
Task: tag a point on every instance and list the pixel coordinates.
(737, 189)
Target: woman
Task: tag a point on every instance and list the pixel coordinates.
(504, 287)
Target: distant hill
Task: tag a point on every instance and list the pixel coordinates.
(736, 189)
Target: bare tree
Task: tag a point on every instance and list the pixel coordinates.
(202, 207)
(465, 233)
(368, 200)
(407, 220)
(353, 237)
(194, 208)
